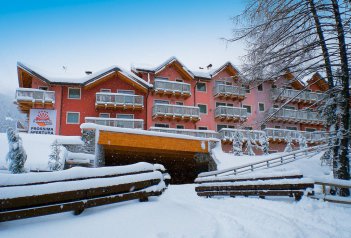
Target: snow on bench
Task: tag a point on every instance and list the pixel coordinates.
(78, 189)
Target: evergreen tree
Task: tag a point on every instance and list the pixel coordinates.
(16, 157)
(250, 143)
(264, 143)
(302, 142)
(54, 158)
(288, 147)
(238, 143)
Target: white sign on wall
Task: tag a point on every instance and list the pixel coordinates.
(42, 121)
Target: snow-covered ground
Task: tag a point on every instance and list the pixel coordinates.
(180, 213)
(37, 148)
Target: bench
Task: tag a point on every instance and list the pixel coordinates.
(274, 184)
(76, 189)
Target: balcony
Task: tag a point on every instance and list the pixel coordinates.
(28, 98)
(305, 97)
(178, 89)
(119, 101)
(229, 92)
(295, 116)
(176, 112)
(227, 134)
(234, 114)
(280, 135)
(208, 134)
(117, 122)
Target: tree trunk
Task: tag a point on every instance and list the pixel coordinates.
(343, 166)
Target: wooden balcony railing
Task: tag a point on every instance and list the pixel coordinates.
(231, 113)
(305, 96)
(172, 88)
(176, 112)
(119, 100)
(229, 91)
(295, 116)
(117, 122)
(27, 98)
(188, 132)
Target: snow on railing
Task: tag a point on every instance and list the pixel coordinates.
(117, 122)
(175, 110)
(222, 89)
(35, 95)
(297, 115)
(225, 111)
(228, 133)
(196, 133)
(172, 86)
(303, 96)
(267, 163)
(119, 99)
(282, 134)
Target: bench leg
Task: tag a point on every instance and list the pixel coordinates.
(143, 199)
(78, 211)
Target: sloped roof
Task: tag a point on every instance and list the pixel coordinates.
(85, 80)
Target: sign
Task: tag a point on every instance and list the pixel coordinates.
(42, 121)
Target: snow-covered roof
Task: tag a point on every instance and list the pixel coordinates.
(63, 78)
(162, 66)
(219, 69)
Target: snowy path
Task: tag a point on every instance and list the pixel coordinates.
(180, 213)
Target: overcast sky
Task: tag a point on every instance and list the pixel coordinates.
(92, 35)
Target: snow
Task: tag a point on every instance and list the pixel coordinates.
(75, 173)
(142, 132)
(57, 187)
(179, 212)
(80, 158)
(37, 148)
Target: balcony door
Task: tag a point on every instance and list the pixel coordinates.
(127, 100)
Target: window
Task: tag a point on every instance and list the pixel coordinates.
(274, 86)
(201, 87)
(162, 78)
(162, 125)
(263, 127)
(277, 127)
(261, 107)
(275, 106)
(291, 128)
(260, 87)
(43, 88)
(228, 83)
(289, 107)
(247, 89)
(202, 128)
(179, 103)
(220, 104)
(310, 129)
(74, 93)
(230, 105)
(219, 127)
(104, 115)
(161, 102)
(72, 118)
(180, 127)
(125, 116)
(130, 92)
(203, 108)
(248, 128)
(105, 90)
(179, 80)
(248, 108)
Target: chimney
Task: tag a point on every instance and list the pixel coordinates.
(88, 72)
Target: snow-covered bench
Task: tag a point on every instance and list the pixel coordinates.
(37, 194)
(274, 184)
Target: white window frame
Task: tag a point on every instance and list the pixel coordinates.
(106, 113)
(126, 90)
(206, 108)
(124, 114)
(264, 106)
(246, 109)
(80, 93)
(69, 123)
(205, 87)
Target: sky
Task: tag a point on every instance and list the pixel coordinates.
(92, 35)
